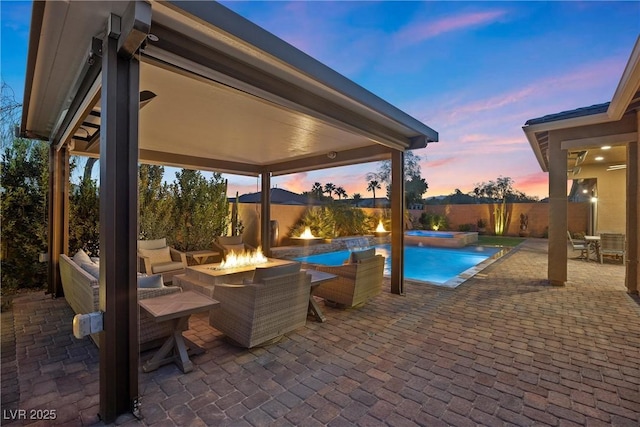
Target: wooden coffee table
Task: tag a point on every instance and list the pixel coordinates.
(176, 308)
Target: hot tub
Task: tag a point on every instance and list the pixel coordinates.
(442, 239)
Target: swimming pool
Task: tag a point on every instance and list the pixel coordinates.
(439, 266)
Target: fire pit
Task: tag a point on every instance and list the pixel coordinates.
(380, 231)
(306, 238)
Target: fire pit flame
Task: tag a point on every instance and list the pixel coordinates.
(380, 227)
(307, 234)
(243, 259)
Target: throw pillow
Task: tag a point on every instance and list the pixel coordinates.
(81, 257)
(230, 240)
(151, 282)
(262, 273)
(238, 249)
(357, 256)
(92, 269)
(157, 256)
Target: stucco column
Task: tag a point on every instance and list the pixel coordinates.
(633, 213)
(558, 207)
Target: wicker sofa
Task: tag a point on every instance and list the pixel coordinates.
(358, 281)
(81, 290)
(259, 311)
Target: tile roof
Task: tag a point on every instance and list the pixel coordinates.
(571, 114)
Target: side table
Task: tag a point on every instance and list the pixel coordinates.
(176, 308)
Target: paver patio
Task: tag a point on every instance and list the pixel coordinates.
(502, 349)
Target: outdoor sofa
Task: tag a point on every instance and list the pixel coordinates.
(81, 290)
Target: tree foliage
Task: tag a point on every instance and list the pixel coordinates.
(415, 185)
(200, 209)
(334, 220)
(24, 178)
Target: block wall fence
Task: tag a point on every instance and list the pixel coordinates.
(538, 215)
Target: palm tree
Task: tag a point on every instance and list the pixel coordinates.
(373, 185)
(317, 190)
(357, 198)
(329, 188)
(339, 191)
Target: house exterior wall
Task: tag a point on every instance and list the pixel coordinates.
(612, 198)
(538, 213)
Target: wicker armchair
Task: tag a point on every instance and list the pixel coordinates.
(357, 281)
(612, 244)
(259, 311)
(155, 257)
(228, 244)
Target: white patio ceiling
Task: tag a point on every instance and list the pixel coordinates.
(228, 95)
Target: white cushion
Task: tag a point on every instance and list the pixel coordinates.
(151, 282)
(166, 266)
(230, 240)
(238, 249)
(152, 244)
(81, 257)
(262, 273)
(91, 268)
(357, 256)
(157, 256)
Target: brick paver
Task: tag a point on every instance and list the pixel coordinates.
(504, 348)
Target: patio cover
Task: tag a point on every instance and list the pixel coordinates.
(564, 144)
(187, 84)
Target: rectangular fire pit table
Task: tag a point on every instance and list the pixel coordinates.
(176, 308)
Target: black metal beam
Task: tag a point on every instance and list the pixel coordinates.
(265, 212)
(119, 349)
(58, 236)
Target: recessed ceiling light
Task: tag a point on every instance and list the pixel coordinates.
(599, 158)
(605, 147)
(585, 191)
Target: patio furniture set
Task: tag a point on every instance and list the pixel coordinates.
(251, 305)
(604, 244)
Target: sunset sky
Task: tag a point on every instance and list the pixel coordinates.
(473, 71)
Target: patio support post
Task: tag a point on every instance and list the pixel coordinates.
(397, 222)
(58, 237)
(265, 209)
(120, 103)
(633, 213)
(558, 208)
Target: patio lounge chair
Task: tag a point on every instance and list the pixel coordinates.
(155, 257)
(579, 245)
(228, 244)
(612, 245)
(357, 281)
(259, 311)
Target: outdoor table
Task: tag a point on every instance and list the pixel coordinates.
(177, 308)
(201, 256)
(317, 277)
(594, 245)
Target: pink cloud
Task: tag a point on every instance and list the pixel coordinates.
(423, 30)
(438, 163)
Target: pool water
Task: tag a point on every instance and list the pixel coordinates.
(440, 266)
